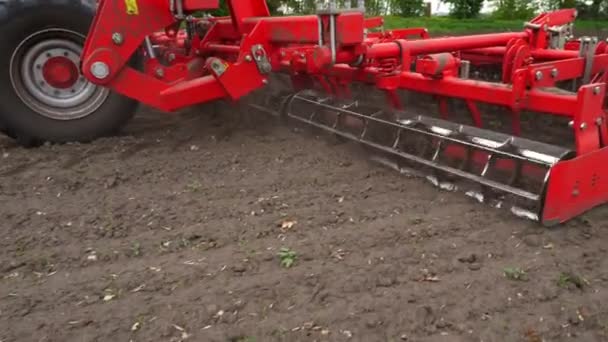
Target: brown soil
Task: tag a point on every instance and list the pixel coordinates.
(171, 233)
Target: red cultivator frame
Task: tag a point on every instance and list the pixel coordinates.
(541, 69)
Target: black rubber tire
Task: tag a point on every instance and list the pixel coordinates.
(18, 20)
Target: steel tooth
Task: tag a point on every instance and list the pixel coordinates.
(476, 195)
(524, 213)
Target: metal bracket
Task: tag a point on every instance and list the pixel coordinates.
(330, 9)
(177, 8)
(261, 59)
(587, 50)
(558, 36)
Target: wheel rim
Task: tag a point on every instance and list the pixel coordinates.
(45, 74)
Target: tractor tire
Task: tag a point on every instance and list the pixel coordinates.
(43, 95)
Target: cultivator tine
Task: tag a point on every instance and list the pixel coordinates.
(499, 169)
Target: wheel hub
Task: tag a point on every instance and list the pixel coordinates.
(60, 72)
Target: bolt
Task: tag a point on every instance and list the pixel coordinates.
(248, 58)
(538, 75)
(571, 124)
(171, 57)
(583, 126)
(596, 90)
(216, 65)
(117, 38)
(100, 70)
(554, 73)
(575, 192)
(599, 121)
(160, 72)
(283, 53)
(265, 81)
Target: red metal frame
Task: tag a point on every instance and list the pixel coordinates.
(222, 64)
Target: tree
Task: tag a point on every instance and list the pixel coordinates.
(515, 9)
(407, 8)
(465, 8)
(594, 9)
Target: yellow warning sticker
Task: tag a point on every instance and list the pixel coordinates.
(132, 8)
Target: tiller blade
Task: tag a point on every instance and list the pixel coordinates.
(499, 169)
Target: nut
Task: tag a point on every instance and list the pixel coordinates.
(117, 38)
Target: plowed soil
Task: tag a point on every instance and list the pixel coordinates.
(171, 232)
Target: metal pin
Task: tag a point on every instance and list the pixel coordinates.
(100, 70)
(465, 69)
(149, 48)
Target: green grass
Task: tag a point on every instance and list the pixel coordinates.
(447, 25)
